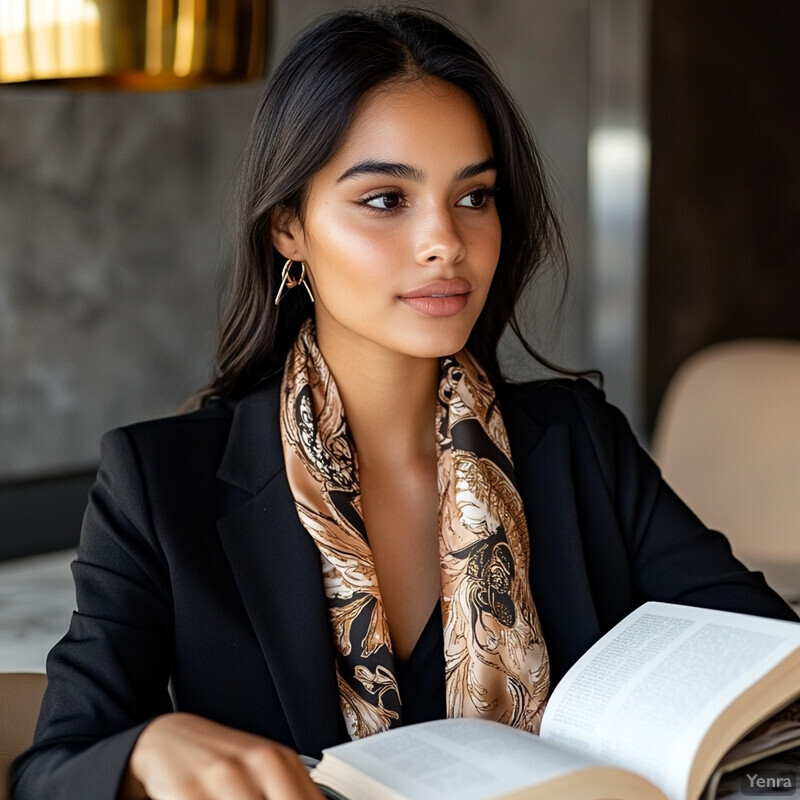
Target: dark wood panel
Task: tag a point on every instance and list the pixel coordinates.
(724, 234)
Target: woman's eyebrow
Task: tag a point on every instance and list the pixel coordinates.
(406, 171)
(391, 168)
(474, 170)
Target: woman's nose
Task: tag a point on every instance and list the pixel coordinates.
(438, 238)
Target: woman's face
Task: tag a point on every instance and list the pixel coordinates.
(401, 235)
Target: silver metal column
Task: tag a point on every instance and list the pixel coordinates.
(618, 163)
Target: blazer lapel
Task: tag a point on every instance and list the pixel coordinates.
(559, 580)
(277, 569)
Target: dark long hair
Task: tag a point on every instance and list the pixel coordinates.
(304, 113)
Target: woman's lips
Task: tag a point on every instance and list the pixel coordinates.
(439, 298)
(437, 306)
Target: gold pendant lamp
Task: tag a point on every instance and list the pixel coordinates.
(132, 44)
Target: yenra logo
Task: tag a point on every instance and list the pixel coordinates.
(779, 782)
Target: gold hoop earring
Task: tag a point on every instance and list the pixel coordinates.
(289, 282)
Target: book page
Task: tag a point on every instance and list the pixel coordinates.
(644, 695)
(458, 759)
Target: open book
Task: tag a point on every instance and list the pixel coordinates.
(658, 708)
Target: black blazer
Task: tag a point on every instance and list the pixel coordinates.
(199, 589)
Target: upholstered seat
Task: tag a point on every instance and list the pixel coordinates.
(728, 440)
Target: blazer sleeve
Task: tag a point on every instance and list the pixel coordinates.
(674, 557)
(109, 675)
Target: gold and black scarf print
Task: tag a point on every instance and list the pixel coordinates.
(495, 657)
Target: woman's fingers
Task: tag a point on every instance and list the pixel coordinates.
(261, 774)
(185, 757)
(283, 776)
(226, 777)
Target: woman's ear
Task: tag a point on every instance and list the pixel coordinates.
(286, 233)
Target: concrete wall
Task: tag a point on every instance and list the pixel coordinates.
(114, 228)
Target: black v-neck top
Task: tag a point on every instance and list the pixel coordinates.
(421, 677)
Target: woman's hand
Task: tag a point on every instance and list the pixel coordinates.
(185, 757)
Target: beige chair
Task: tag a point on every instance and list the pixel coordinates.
(727, 438)
(20, 699)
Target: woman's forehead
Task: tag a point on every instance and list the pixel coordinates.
(412, 121)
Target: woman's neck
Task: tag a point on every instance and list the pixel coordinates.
(389, 401)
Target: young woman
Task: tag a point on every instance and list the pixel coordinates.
(363, 526)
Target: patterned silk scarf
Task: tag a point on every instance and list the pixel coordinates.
(496, 661)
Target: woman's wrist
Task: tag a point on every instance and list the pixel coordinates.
(131, 787)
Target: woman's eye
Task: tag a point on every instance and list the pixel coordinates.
(476, 199)
(384, 202)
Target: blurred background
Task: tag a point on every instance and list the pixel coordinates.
(670, 129)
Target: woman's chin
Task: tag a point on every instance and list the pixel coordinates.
(436, 345)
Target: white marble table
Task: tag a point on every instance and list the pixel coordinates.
(36, 602)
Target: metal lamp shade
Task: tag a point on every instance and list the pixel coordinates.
(132, 44)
